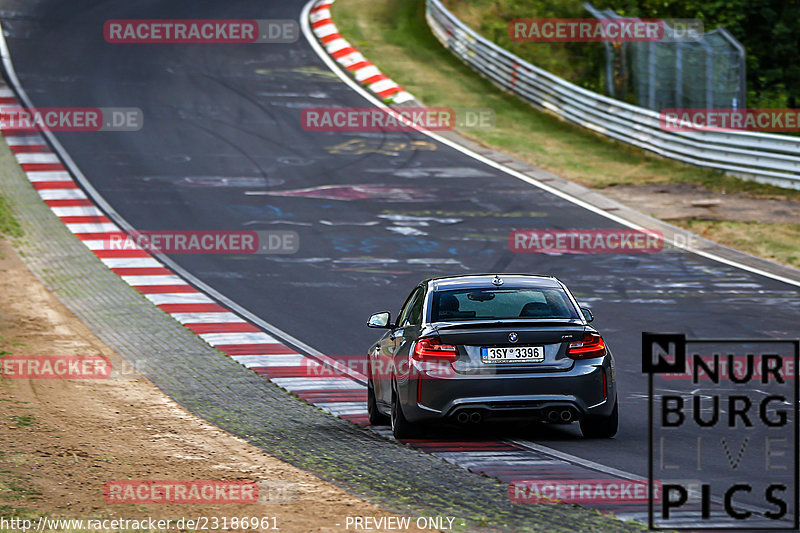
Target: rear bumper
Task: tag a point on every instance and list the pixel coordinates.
(560, 397)
(557, 410)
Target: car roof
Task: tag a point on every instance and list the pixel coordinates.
(477, 281)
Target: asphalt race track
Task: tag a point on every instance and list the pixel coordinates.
(223, 148)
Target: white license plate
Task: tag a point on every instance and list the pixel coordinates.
(515, 354)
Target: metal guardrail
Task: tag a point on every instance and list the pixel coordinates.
(764, 157)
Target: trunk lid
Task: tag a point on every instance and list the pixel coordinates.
(472, 339)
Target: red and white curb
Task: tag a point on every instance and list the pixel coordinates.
(351, 59)
(215, 324)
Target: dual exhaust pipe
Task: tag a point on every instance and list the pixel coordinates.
(556, 415)
(561, 416)
(473, 417)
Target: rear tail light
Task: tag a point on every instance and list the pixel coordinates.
(432, 348)
(591, 345)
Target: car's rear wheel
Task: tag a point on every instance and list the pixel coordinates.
(401, 428)
(376, 418)
(601, 427)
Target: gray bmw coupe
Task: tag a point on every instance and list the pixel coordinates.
(469, 349)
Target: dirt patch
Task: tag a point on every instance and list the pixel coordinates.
(685, 201)
(61, 440)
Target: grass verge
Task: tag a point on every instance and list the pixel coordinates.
(8, 224)
(777, 242)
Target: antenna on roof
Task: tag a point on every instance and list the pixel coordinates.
(497, 280)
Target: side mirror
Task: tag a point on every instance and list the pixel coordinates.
(587, 314)
(380, 320)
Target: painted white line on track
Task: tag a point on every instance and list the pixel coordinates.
(265, 361)
(77, 211)
(301, 384)
(179, 298)
(215, 339)
(36, 157)
(144, 281)
(130, 262)
(25, 140)
(220, 317)
(103, 244)
(49, 175)
(342, 408)
(93, 227)
(62, 194)
(586, 463)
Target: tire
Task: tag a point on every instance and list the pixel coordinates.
(601, 427)
(401, 428)
(376, 418)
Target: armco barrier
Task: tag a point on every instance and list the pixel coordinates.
(763, 157)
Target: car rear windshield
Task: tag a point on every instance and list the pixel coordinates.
(501, 304)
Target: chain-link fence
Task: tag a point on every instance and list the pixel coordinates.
(684, 70)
